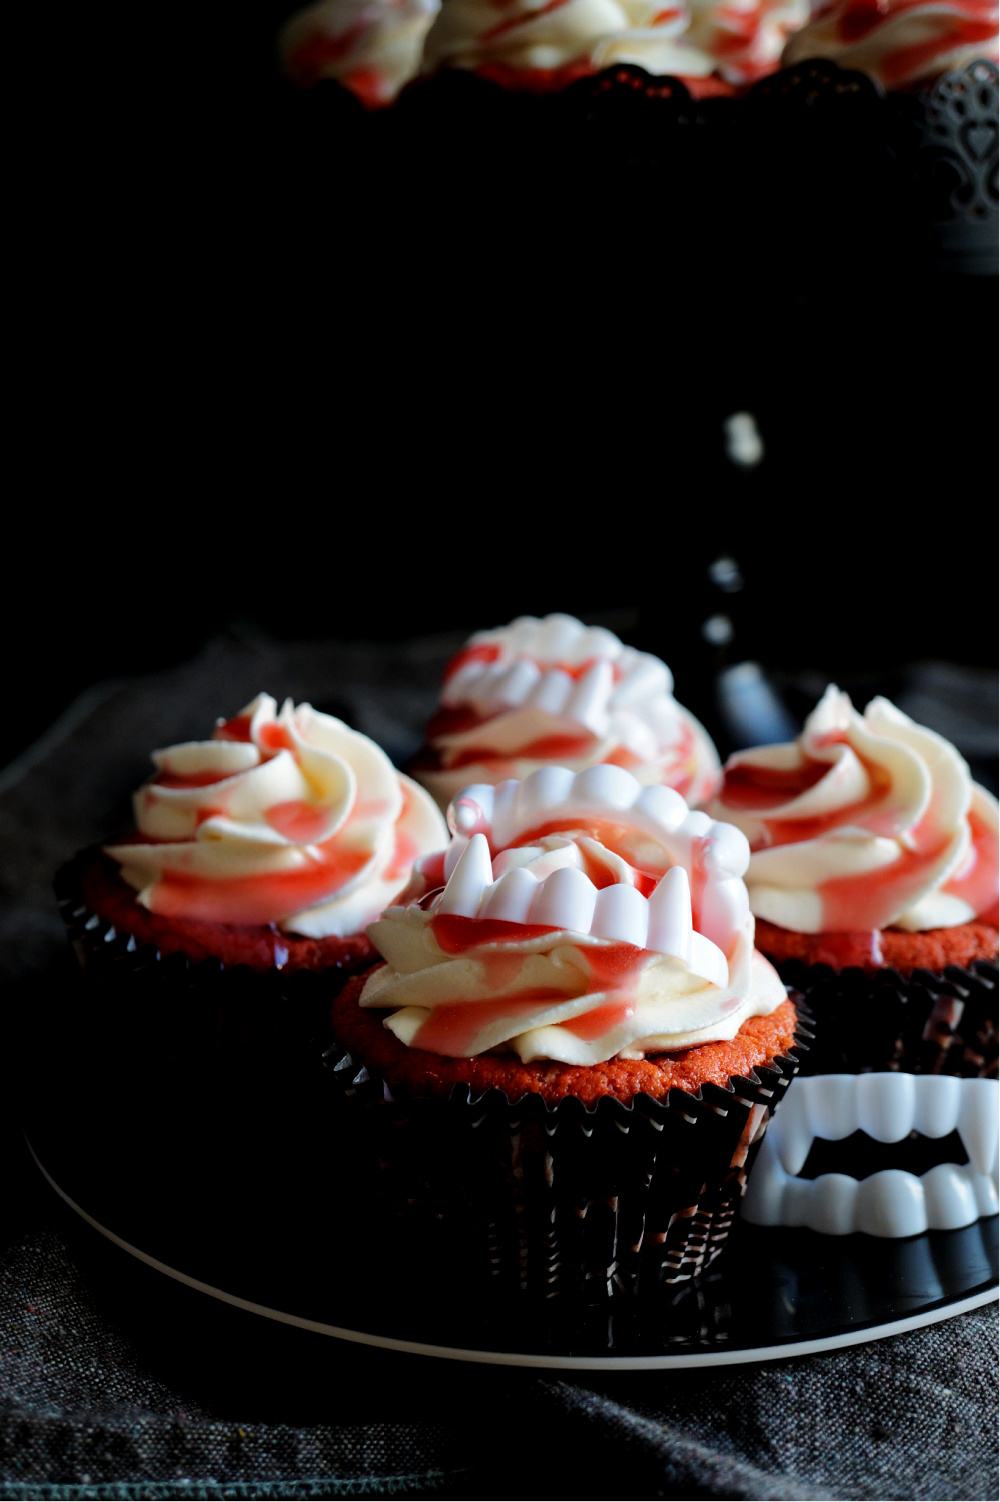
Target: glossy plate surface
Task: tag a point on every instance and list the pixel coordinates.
(275, 1240)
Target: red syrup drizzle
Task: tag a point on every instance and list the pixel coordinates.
(458, 935)
(976, 883)
(373, 88)
(405, 851)
(260, 898)
(451, 1029)
(880, 894)
(486, 653)
(749, 787)
(613, 967)
(868, 810)
(274, 737)
(236, 729)
(545, 748)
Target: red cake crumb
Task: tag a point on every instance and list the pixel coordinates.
(414, 1072)
(886, 948)
(259, 945)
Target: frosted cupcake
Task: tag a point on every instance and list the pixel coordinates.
(572, 1048)
(711, 47)
(874, 870)
(556, 692)
(265, 849)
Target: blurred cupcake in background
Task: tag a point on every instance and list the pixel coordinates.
(554, 692)
(372, 47)
(713, 48)
(873, 878)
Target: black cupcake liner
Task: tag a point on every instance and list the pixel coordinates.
(172, 1011)
(924, 1023)
(534, 1199)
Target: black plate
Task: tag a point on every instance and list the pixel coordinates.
(272, 1238)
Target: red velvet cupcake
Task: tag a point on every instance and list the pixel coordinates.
(873, 878)
(259, 855)
(572, 1051)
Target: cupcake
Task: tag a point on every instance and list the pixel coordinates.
(553, 692)
(873, 878)
(572, 1049)
(900, 43)
(711, 47)
(259, 855)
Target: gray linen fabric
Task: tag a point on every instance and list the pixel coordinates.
(90, 1406)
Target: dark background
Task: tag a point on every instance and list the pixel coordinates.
(252, 387)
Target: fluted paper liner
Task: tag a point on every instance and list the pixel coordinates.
(547, 1199)
(926, 1023)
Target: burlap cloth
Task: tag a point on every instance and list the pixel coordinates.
(95, 1402)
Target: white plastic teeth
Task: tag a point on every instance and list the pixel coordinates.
(568, 899)
(689, 839)
(527, 672)
(888, 1107)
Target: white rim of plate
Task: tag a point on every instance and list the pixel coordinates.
(516, 1358)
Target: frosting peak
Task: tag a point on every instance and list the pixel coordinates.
(282, 817)
(864, 822)
(574, 917)
(554, 691)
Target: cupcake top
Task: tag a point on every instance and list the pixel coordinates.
(286, 818)
(574, 917)
(372, 47)
(898, 42)
(865, 822)
(556, 692)
(528, 44)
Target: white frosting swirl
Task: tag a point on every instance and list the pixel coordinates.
(740, 40)
(865, 822)
(583, 917)
(288, 818)
(898, 42)
(372, 47)
(552, 691)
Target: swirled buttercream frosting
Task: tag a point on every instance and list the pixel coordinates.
(898, 42)
(865, 822)
(519, 42)
(372, 47)
(286, 817)
(553, 691)
(576, 917)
